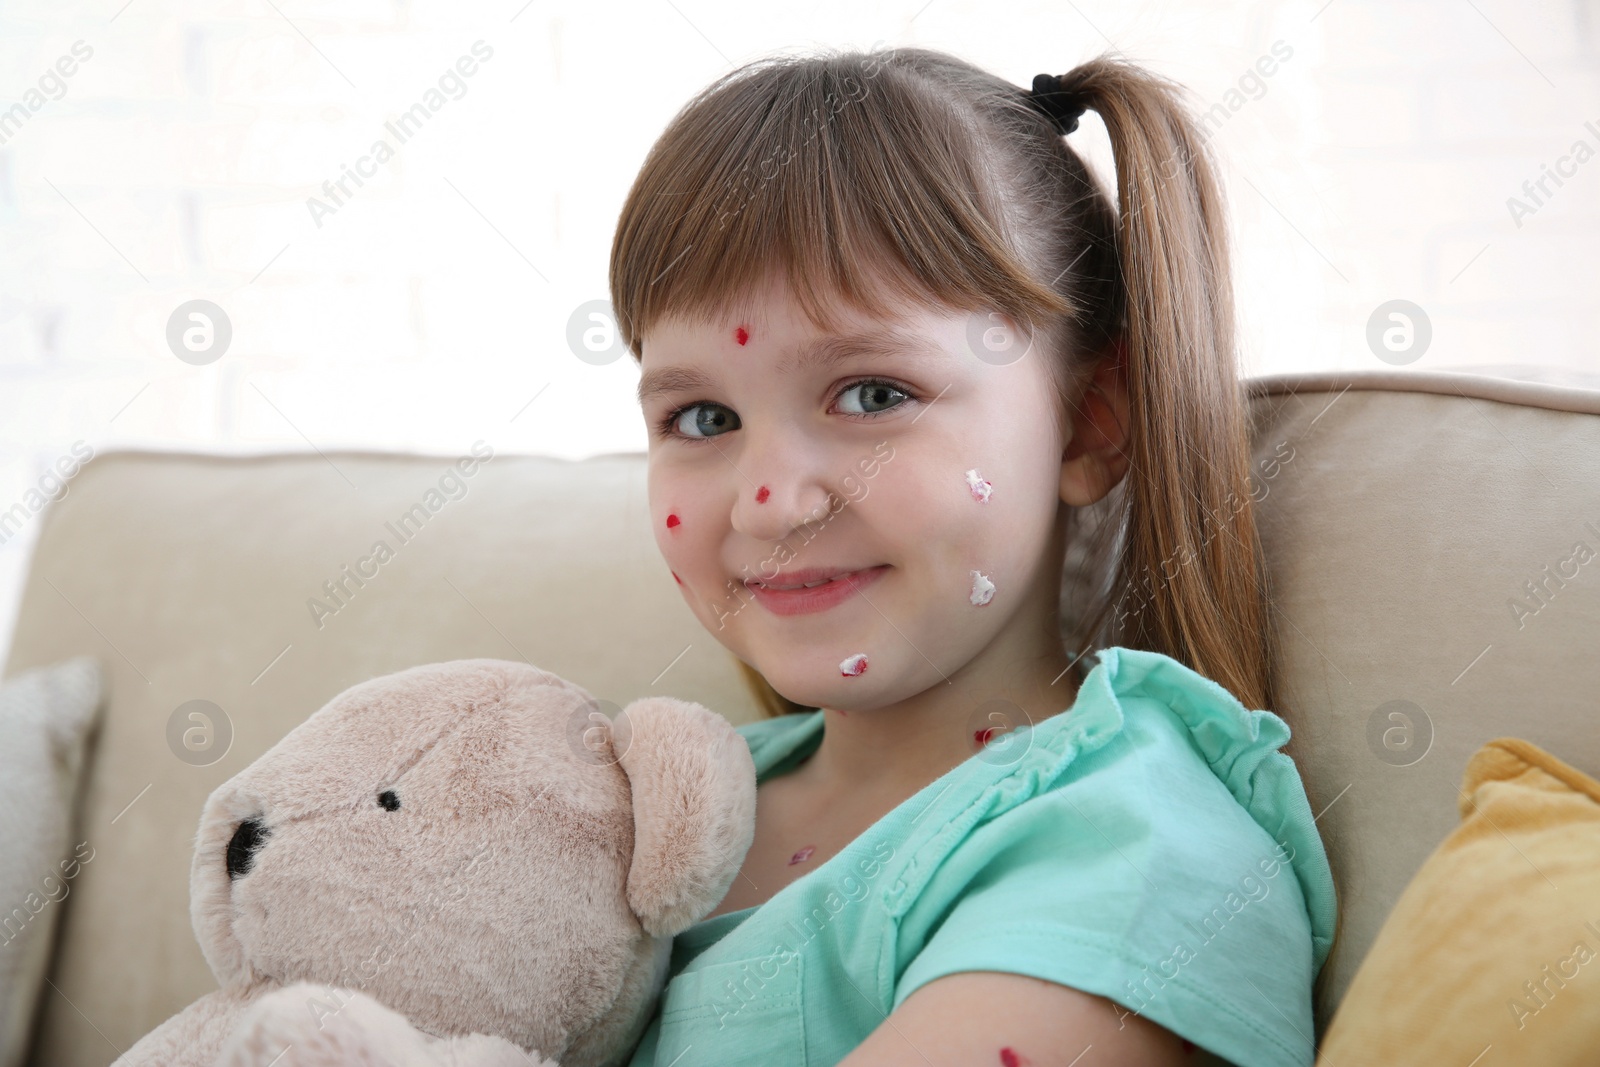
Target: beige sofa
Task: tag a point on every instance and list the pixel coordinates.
(1412, 510)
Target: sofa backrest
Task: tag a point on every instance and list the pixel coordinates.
(1405, 518)
(1432, 557)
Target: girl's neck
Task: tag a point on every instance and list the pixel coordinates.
(887, 754)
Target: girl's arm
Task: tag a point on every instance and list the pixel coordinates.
(997, 1019)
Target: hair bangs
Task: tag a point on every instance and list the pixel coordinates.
(847, 176)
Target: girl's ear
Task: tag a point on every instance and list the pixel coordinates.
(1096, 457)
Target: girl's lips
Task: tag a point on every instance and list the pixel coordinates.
(817, 598)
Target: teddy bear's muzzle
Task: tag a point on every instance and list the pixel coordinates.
(243, 846)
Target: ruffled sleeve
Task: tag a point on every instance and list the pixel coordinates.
(1152, 846)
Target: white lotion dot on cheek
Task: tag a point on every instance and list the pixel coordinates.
(854, 666)
(979, 487)
(982, 589)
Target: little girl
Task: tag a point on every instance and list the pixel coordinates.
(893, 338)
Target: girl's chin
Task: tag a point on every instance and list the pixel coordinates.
(818, 683)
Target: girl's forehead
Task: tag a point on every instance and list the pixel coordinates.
(789, 345)
(774, 312)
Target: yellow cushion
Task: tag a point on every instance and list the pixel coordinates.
(1492, 954)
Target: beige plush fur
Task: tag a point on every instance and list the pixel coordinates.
(461, 863)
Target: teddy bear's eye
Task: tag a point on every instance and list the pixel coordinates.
(389, 800)
(246, 841)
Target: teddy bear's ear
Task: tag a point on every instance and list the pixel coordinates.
(694, 809)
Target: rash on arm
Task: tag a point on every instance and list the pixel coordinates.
(1012, 1020)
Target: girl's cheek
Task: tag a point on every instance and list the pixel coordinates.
(687, 542)
(669, 508)
(978, 487)
(963, 495)
(673, 535)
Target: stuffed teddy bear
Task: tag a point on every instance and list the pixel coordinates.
(462, 863)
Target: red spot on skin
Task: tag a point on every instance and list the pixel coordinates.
(762, 494)
(982, 736)
(676, 578)
(803, 855)
(741, 335)
(1008, 1058)
(672, 520)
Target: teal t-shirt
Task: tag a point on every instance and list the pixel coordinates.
(1150, 844)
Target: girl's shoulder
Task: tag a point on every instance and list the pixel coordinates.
(1151, 845)
(1176, 721)
(1153, 760)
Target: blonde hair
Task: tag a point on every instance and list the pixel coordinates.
(911, 174)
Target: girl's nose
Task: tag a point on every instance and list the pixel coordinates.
(778, 495)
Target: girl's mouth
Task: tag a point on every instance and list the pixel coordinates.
(798, 593)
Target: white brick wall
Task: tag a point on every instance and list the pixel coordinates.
(1375, 165)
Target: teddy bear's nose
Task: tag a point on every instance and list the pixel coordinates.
(243, 845)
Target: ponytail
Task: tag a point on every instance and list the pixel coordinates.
(1189, 580)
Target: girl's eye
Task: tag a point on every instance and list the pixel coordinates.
(871, 397)
(703, 420)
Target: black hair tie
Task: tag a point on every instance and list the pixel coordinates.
(1055, 103)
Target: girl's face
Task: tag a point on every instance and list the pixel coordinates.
(925, 482)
